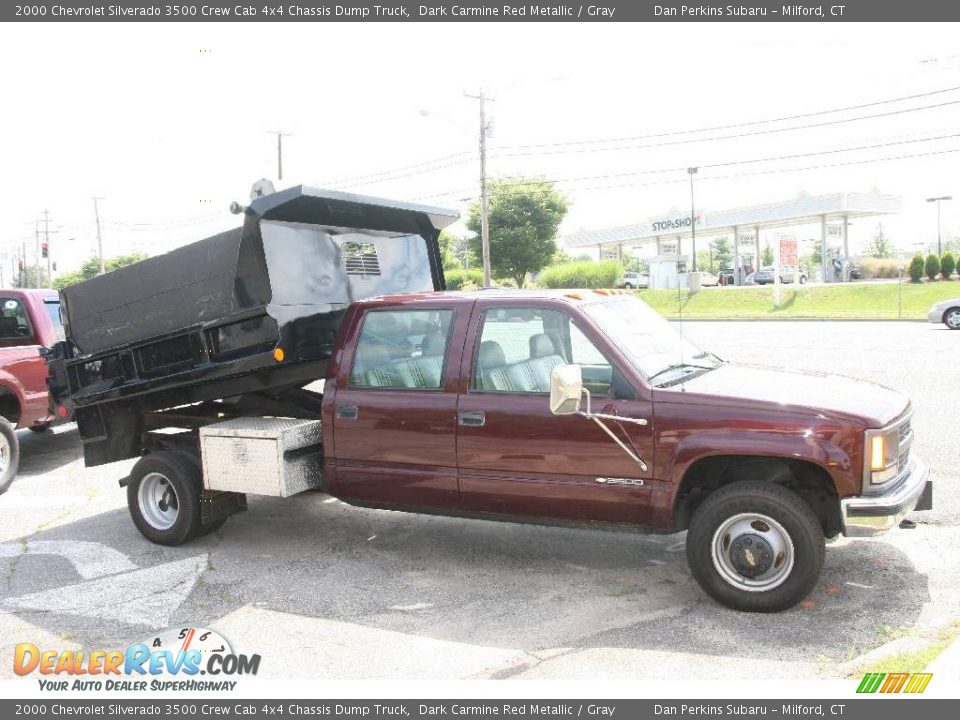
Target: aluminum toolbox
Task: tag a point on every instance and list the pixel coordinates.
(262, 456)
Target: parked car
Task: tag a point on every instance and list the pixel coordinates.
(633, 280)
(708, 279)
(946, 312)
(765, 276)
(727, 276)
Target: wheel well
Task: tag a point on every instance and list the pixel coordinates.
(811, 482)
(9, 406)
(943, 318)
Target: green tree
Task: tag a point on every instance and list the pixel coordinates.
(932, 266)
(91, 268)
(810, 264)
(722, 252)
(524, 216)
(766, 256)
(880, 245)
(916, 268)
(947, 265)
(448, 251)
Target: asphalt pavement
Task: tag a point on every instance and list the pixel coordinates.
(356, 593)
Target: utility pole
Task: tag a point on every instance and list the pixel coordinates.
(938, 200)
(36, 259)
(280, 136)
(96, 213)
(46, 239)
(693, 219)
(484, 205)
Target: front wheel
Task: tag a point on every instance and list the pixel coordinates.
(803, 279)
(755, 546)
(9, 454)
(951, 318)
(163, 496)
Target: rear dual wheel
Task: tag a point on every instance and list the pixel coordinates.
(164, 498)
(755, 546)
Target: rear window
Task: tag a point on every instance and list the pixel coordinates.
(52, 305)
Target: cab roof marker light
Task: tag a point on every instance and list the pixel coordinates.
(278, 354)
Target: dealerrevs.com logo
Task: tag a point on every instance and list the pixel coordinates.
(894, 682)
(183, 653)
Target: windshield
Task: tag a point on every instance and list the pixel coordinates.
(648, 340)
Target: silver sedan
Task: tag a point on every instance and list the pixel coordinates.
(946, 312)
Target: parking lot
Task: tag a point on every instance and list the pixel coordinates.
(355, 593)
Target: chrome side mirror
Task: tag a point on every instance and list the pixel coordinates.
(566, 389)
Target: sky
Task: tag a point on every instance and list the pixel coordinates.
(170, 123)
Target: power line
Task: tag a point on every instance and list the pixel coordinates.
(731, 126)
(722, 177)
(464, 157)
(752, 133)
(660, 171)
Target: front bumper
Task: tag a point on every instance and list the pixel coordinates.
(935, 314)
(869, 515)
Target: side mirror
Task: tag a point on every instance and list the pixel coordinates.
(566, 389)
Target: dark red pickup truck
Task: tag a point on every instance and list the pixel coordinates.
(572, 407)
(29, 320)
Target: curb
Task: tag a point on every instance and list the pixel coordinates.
(677, 318)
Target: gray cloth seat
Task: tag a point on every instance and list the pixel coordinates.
(491, 367)
(533, 375)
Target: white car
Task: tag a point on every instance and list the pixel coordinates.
(946, 312)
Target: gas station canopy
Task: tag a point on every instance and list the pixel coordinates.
(804, 209)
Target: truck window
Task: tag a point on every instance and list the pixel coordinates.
(14, 324)
(402, 349)
(519, 347)
(52, 305)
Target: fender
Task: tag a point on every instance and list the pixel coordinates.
(836, 455)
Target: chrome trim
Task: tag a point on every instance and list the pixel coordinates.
(905, 443)
(870, 515)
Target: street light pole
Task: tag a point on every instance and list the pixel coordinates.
(693, 220)
(938, 200)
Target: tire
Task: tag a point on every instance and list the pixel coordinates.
(627, 286)
(163, 496)
(729, 527)
(951, 318)
(212, 527)
(803, 279)
(9, 454)
(42, 428)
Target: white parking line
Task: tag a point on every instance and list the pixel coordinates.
(859, 585)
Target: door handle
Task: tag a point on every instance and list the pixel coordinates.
(346, 412)
(472, 419)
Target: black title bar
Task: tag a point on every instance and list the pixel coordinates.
(477, 11)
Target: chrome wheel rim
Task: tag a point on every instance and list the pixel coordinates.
(4, 454)
(752, 552)
(953, 319)
(158, 501)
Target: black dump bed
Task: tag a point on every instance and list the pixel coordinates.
(202, 322)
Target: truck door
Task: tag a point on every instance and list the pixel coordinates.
(516, 457)
(395, 409)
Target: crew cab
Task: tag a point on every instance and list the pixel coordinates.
(561, 407)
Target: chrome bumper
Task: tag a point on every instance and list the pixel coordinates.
(869, 515)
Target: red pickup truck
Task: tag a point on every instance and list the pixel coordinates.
(29, 320)
(567, 407)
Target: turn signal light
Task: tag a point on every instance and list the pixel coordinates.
(278, 354)
(877, 455)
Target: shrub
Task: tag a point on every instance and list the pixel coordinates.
(581, 274)
(463, 279)
(933, 266)
(916, 268)
(947, 265)
(879, 267)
